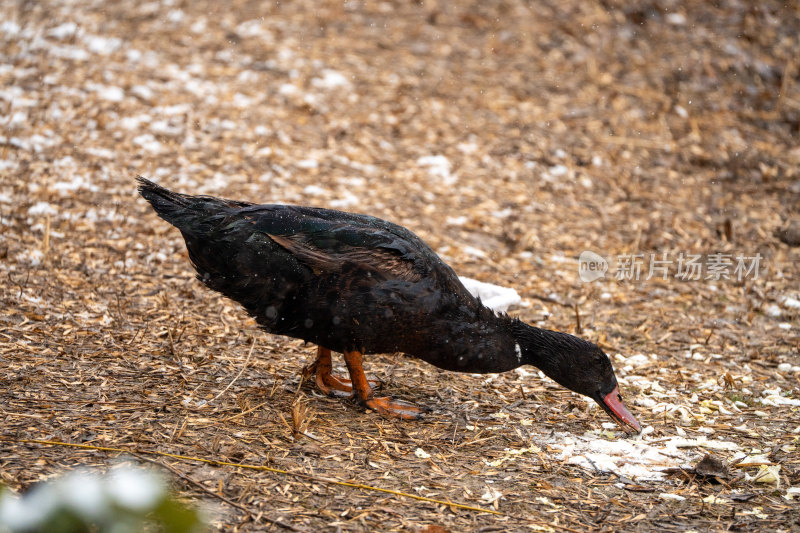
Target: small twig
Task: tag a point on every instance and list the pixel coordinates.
(710, 333)
(549, 300)
(172, 344)
(46, 237)
(577, 318)
(253, 345)
(593, 465)
(119, 309)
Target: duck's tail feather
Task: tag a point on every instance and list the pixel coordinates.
(170, 206)
(193, 215)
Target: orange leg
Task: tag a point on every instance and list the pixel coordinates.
(328, 383)
(385, 405)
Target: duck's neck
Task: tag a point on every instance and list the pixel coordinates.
(499, 344)
(552, 352)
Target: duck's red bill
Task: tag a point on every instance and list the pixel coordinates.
(620, 413)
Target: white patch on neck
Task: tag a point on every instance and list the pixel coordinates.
(518, 350)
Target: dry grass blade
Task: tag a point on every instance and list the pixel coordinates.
(244, 366)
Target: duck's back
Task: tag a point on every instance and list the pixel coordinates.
(342, 280)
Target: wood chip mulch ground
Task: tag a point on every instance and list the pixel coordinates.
(512, 138)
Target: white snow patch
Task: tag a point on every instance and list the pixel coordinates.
(638, 458)
(254, 28)
(175, 16)
(17, 119)
(330, 79)
(107, 92)
(315, 190)
(133, 55)
(166, 127)
(199, 26)
(133, 123)
(9, 27)
(42, 208)
(62, 31)
(172, 110)
(307, 163)
(438, 166)
(242, 101)
(142, 91)
(69, 52)
(676, 19)
(774, 398)
(31, 257)
(773, 310)
(287, 89)
(467, 147)
(422, 454)
(64, 188)
(491, 495)
(148, 143)
(104, 153)
(348, 200)
(474, 252)
(791, 302)
(456, 221)
(102, 45)
(492, 296)
(35, 142)
(674, 497)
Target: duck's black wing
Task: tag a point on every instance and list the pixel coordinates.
(326, 240)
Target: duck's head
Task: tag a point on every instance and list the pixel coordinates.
(579, 366)
(594, 377)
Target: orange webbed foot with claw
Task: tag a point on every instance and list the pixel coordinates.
(395, 408)
(385, 405)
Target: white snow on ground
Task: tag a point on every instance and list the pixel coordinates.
(32, 257)
(790, 302)
(438, 166)
(330, 80)
(639, 458)
(42, 208)
(149, 143)
(63, 31)
(492, 296)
